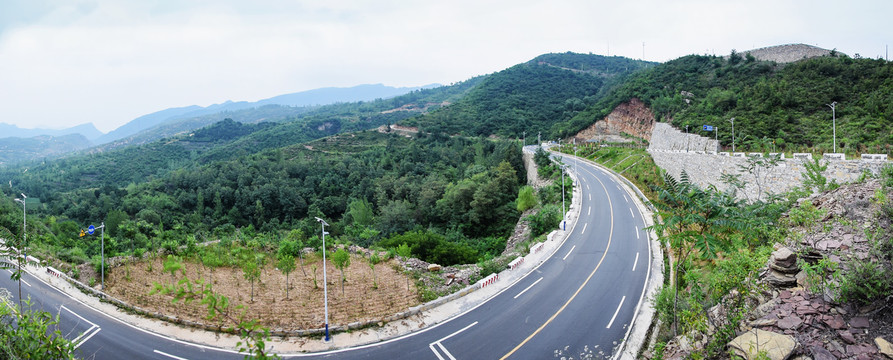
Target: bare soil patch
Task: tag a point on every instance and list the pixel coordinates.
(304, 308)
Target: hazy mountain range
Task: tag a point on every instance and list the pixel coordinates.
(36, 143)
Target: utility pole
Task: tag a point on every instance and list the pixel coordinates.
(732, 120)
(538, 139)
(524, 136)
(833, 106)
(643, 51)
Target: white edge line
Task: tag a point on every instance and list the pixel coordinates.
(456, 333)
(445, 351)
(569, 252)
(431, 346)
(616, 312)
(169, 355)
(88, 337)
(79, 317)
(528, 288)
(636, 262)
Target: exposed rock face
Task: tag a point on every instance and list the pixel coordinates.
(776, 346)
(631, 118)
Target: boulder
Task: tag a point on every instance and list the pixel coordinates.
(434, 268)
(884, 347)
(755, 341)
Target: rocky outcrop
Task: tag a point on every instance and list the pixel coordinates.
(755, 343)
(632, 118)
(787, 53)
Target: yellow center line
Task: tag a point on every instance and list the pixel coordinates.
(610, 236)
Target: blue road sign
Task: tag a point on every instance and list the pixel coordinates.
(91, 229)
(708, 128)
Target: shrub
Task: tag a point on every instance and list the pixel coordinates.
(865, 282)
(548, 218)
(526, 199)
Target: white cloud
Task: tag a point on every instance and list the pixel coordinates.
(108, 62)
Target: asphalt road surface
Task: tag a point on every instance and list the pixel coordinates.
(579, 303)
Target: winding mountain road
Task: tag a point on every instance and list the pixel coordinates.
(578, 303)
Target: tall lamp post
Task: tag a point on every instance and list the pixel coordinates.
(833, 106)
(22, 245)
(563, 212)
(732, 120)
(325, 288)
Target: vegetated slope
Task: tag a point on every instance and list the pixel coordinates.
(771, 103)
(529, 97)
(138, 163)
(14, 150)
(450, 199)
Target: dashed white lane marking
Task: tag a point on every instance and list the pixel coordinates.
(169, 355)
(80, 340)
(442, 348)
(589, 212)
(631, 213)
(26, 283)
(584, 228)
(569, 252)
(590, 196)
(528, 288)
(626, 198)
(616, 312)
(637, 234)
(636, 262)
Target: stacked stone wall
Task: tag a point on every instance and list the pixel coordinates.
(705, 166)
(665, 137)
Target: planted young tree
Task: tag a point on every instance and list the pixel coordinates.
(405, 252)
(341, 258)
(374, 260)
(313, 269)
(251, 270)
(286, 264)
(172, 265)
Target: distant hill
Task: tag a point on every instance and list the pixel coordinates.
(87, 130)
(322, 96)
(14, 149)
(530, 97)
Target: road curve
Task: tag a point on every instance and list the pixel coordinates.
(579, 303)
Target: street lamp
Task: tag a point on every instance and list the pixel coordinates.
(732, 120)
(833, 106)
(22, 245)
(563, 212)
(325, 288)
(524, 136)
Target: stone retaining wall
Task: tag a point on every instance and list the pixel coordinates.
(705, 168)
(665, 137)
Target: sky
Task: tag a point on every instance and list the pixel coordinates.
(69, 62)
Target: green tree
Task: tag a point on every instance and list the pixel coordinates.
(341, 258)
(286, 264)
(251, 267)
(172, 265)
(34, 335)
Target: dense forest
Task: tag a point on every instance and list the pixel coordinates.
(458, 191)
(530, 97)
(785, 105)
